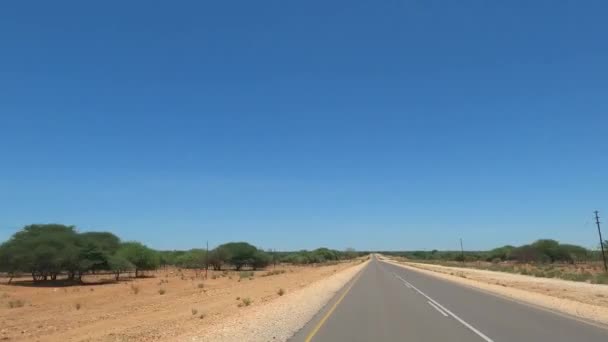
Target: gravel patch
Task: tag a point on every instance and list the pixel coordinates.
(279, 319)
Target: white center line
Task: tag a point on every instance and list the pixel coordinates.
(437, 308)
(404, 281)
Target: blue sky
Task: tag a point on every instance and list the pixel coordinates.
(298, 124)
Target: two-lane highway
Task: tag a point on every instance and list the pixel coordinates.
(389, 303)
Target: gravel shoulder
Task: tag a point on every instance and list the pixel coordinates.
(583, 300)
(279, 319)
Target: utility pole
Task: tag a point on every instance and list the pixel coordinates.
(207, 260)
(599, 231)
(461, 251)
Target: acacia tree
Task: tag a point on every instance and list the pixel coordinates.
(119, 264)
(261, 259)
(142, 257)
(8, 264)
(239, 253)
(194, 258)
(218, 257)
(43, 250)
(106, 242)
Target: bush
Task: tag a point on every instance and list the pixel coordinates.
(246, 274)
(585, 276)
(281, 292)
(273, 272)
(16, 303)
(194, 312)
(601, 278)
(161, 292)
(134, 289)
(200, 285)
(245, 302)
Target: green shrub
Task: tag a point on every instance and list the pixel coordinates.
(585, 276)
(601, 278)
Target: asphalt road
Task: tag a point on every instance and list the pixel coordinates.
(389, 303)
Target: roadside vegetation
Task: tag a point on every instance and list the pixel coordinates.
(59, 253)
(542, 258)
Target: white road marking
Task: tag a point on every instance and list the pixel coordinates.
(403, 280)
(479, 333)
(437, 308)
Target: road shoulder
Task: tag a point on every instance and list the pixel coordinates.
(280, 319)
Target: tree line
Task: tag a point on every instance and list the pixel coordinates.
(540, 251)
(46, 251)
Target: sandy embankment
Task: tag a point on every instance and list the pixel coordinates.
(583, 300)
(280, 319)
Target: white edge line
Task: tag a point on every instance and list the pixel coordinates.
(454, 315)
(437, 308)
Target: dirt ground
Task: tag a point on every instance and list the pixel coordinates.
(146, 309)
(584, 300)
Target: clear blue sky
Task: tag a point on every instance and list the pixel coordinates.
(298, 124)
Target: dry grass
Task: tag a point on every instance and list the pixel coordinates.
(134, 289)
(273, 272)
(245, 302)
(246, 274)
(590, 273)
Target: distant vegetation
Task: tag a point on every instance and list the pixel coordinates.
(48, 251)
(540, 251)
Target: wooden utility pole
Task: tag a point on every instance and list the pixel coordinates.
(599, 231)
(207, 260)
(461, 251)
